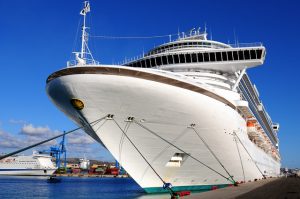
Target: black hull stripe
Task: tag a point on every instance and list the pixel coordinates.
(123, 71)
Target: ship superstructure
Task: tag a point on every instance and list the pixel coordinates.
(186, 113)
(223, 67)
(27, 165)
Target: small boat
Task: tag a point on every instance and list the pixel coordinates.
(53, 179)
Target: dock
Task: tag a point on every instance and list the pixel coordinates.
(281, 188)
(90, 175)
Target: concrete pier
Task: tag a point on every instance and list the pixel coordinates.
(281, 188)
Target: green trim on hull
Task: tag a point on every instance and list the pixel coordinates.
(186, 188)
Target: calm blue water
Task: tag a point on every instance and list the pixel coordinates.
(72, 187)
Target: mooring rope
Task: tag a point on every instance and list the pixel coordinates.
(152, 132)
(211, 151)
(42, 142)
(249, 155)
(122, 141)
(240, 158)
(168, 146)
(124, 133)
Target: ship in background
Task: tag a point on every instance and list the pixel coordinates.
(27, 165)
(185, 114)
(84, 163)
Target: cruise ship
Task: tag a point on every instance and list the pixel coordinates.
(184, 116)
(27, 165)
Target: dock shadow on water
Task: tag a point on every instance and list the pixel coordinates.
(73, 187)
(153, 196)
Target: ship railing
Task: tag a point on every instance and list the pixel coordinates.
(126, 61)
(133, 59)
(214, 46)
(254, 109)
(243, 45)
(86, 62)
(181, 47)
(251, 90)
(206, 45)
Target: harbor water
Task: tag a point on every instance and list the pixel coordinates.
(73, 187)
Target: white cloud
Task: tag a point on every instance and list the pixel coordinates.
(9, 141)
(29, 134)
(13, 121)
(79, 138)
(78, 143)
(31, 130)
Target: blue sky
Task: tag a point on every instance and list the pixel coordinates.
(37, 38)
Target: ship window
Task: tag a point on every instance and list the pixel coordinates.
(164, 60)
(152, 62)
(158, 61)
(188, 58)
(176, 59)
(194, 58)
(212, 56)
(218, 56)
(247, 54)
(148, 63)
(170, 59)
(206, 57)
(200, 57)
(143, 63)
(258, 53)
(235, 55)
(224, 56)
(229, 54)
(181, 58)
(206, 44)
(253, 54)
(241, 55)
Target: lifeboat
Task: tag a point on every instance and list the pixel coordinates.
(251, 129)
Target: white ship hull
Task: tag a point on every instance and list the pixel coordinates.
(168, 109)
(27, 172)
(31, 165)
